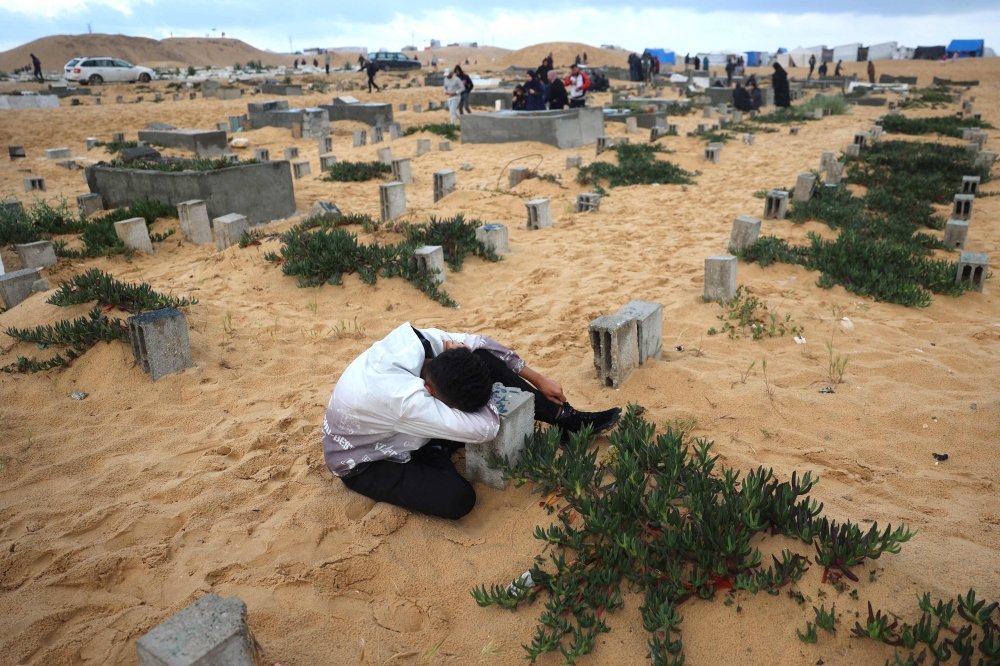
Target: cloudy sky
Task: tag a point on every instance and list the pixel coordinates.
(633, 24)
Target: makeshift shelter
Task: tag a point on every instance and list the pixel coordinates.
(756, 58)
(800, 56)
(928, 52)
(886, 51)
(966, 48)
(847, 53)
(666, 56)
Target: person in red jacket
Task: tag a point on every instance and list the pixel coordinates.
(577, 84)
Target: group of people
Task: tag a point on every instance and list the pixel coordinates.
(823, 68)
(693, 61)
(642, 68)
(544, 89)
(326, 61)
(747, 98)
(457, 86)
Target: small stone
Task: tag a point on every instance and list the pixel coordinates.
(41, 285)
(467, 167)
(79, 395)
(972, 406)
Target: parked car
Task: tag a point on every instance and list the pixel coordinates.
(99, 69)
(393, 60)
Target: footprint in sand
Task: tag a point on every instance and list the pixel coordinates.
(401, 615)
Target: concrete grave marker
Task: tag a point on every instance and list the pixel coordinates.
(737, 116)
(618, 140)
(236, 123)
(517, 423)
(775, 205)
(673, 129)
(539, 213)
(229, 230)
(301, 168)
(325, 145)
(33, 184)
(222, 127)
(804, 187)
(588, 202)
(423, 146)
(384, 156)
(57, 153)
(38, 254)
(720, 278)
(120, 99)
(91, 142)
(793, 130)
(853, 150)
(160, 347)
(291, 153)
(708, 112)
(16, 286)
(194, 222)
(89, 204)
(861, 139)
(428, 259)
(648, 317)
(614, 341)
(632, 125)
(973, 267)
(444, 146)
(377, 134)
(978, 138)
(262, 154)
(417, 108)
(135, 234)
(392, 200)
(296, 130)
(395, 131)
(493, 237)
(985, 158)
(955, 234)
(970, 184)
(516, 175)
(444, 184)
(744, 234)
(326, 162)
(962, 206)
(401, 171)
(360, 138)
(834, 173)
(749, 139)
(16, 152)
(713, 152)
(402, 107)
(826, 158)
(574, 162)
(603, 144)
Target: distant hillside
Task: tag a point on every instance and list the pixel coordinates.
(563, 53)
(56, 50)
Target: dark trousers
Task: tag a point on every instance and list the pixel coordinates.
(577, 102)
(328, 70)
(429, 483)
(371, 82)
(463, 103)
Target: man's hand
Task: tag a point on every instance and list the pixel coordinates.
(551, 389)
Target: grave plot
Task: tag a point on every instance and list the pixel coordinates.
(356, 172)
(315, 123)
(569, 128)
(349, 108)
(444, 130)
(320, 250)
(83, 333)
(944, 125)
(260, 191)
(825, 105)
(637, 165)
(203, 143)
(880, 251)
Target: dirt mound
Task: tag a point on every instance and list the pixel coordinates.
(479, 58)
(56, 50)
(563, 53)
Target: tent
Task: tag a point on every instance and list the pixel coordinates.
(928, 52)
(666, 56)
(847, 53)
(755, 58)
(966, 48)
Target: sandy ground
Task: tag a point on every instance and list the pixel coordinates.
(120, 510)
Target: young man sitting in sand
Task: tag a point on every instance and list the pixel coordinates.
(402, 408)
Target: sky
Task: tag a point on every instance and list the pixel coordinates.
(632, 24)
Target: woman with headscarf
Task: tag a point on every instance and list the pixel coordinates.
(782, 97)
(556, 94)
(520, 101)
(534, 92)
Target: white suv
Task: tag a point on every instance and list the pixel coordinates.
(100, 69)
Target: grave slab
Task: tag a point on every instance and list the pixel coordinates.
(194, 222)
(517, 422)
(160, 344)
(36, 255)
(229, 230)
(16, 285)
(569, 128)
(203, 143)
(720, 278)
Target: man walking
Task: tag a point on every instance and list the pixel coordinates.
(453, 88)
(36, 66)
(371, 68)
(326, 60)
(812, 66)
(467, 86)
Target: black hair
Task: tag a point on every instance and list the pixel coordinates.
(461, 379)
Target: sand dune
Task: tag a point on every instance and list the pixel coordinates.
(55, 51)
(482, 57)
(564, 54)
(118, 511)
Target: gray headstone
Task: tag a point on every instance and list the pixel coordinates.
(160, 346)
(614, 341)
(444, 184)
(195, 225)
(301, 168)
(648, 318)
(392, 200)
(517, 422)
(36, 255)
(804, 187)
(962, 206)
(775, 205)
(744, 233)
(135, 234)
(539, 213)
(401, 171)
(423, 146)
(89, 204)
(16, 286)
(428, 259)
(588, 202)
(516, 175)
(973, 267)
(326, 162)
(955, 234)
(493, 237)
(720, 278)
(229, 229)
(291, 153)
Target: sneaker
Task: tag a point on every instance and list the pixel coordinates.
(572, 421)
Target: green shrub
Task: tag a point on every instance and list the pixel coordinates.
(175, 165)
(356, 172)
(446, 130)
(98, 233)
(637, 165)
(944, 125)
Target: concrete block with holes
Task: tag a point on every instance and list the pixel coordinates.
(539, 213)
(973, 267)
(614, 341)
(160, 346)
(444, 184)
(392, 200)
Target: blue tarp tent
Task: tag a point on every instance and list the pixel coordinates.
(666, 57)
(753, 58)
(966, 48)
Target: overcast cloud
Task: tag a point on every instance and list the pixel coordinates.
(633, 24)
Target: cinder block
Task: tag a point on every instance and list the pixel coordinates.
(16, 152)
(402, 107)
(444, 184)
(826, 158)
(517, 424)
(515, 175)
(978, 138)
(325, 210)
(57, 153)
(195, 225)
(985, 159)
(135, 234)
(222, 127)
(574, 162)
(326, 162)
(745, 232)
(818, 114)
(118, 137)
(291, 153)
(493, 237)
(961, 208)
(401, 171)
(720, 278)
(296, 130)
(861, 139)
(68, 164)
(229, 229)
(632, 125)
(539, 213)
(834, 173)
(444, 146)
(656, 132)
(360, 138)
(967, 133)
(775, 205)
(16, 286)
(423, 146)
(262, 154)
(89, 204)
(737, 116)
(428, 259)
(708, 112)
(32, 184)
(432, 105)
(392, 200)
(396, 130)
(614, 341)
(749, 139)
(377, 134)
(160, 347)
(972, 148)
(618, 140)
(804, 187)
(300, 169)
(417, 108)
(970, 184)
(649, 327)
(603, 143)
(175, 97)
(713, 152)
(955, 233)
(973, 267)
(120, 99)
(36, 255)
(236, 123)
(588, 202)
(91, 142)
(325, 145)
(853, 150)
(793, 130)
(384, 156)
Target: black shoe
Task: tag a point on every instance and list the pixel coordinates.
(572, 421)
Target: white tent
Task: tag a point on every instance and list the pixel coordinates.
(885, 51)
(847, 53)
(719, 58)
(800, 56)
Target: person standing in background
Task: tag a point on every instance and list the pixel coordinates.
(555, 93)
(704, 63)
(578, 83)
(534, 93)
(782, 96)
(871, 72)
(326, 61)
(812, 66)
(371, 68)
(463, 99)
(36, 67)
(836, 72)
(453, 88)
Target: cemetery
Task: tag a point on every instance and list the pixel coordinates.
(793, 308)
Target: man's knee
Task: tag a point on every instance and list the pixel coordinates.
(458, 500)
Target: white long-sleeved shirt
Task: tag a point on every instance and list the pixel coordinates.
(454, 85)
(380, 408)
